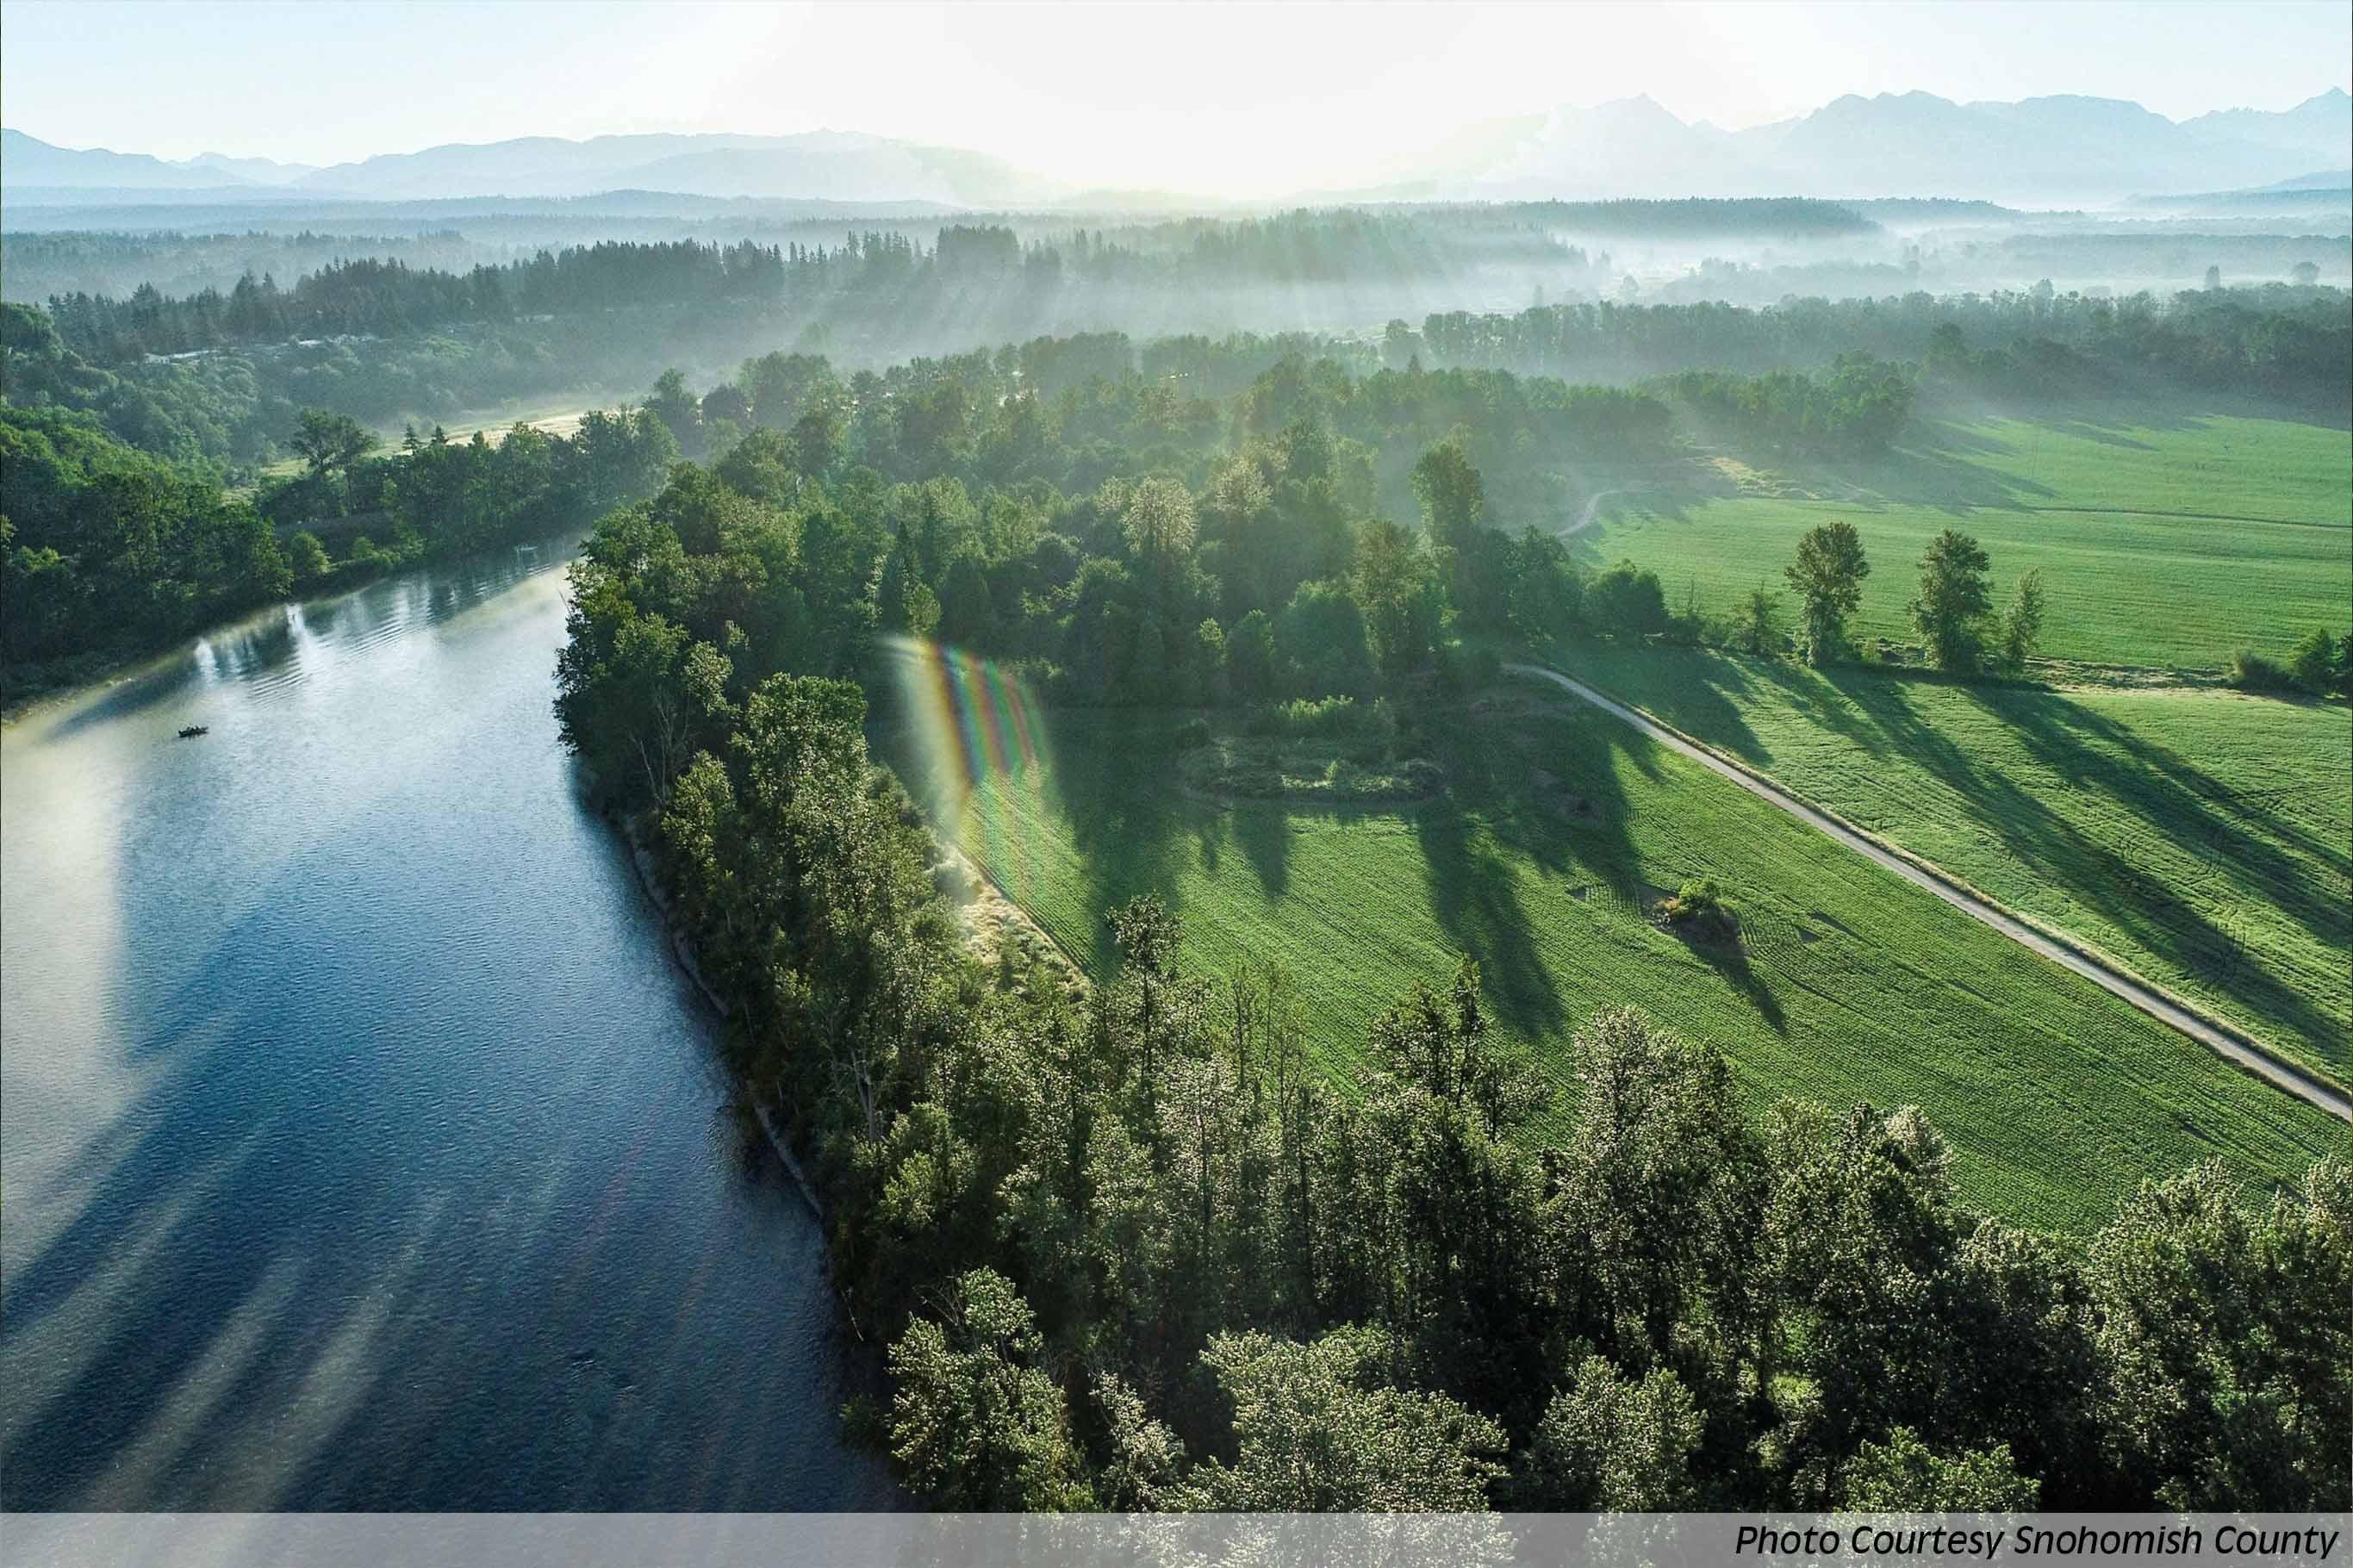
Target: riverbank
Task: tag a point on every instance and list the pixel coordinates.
(26, 684)
(641, 860)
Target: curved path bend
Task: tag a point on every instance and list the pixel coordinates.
(1593, 508)
(2255, 1057)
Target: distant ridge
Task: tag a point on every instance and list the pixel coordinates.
(828, 165)
(2067, 150)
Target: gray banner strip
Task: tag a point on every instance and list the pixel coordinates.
(1195, 1540)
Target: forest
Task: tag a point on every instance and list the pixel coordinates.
(375, 286)
(1131, 1243)
(107, 551)
(234, 405)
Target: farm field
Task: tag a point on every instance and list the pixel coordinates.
(2173, 542)
(2203, 837)
(2191, 463)
(1560, 829)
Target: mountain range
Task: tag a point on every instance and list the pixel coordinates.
(2039, 151)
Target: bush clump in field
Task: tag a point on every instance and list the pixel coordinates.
(1192, 734)
(2318, 663)
(2321, 664)
(2251, 671)
(1698, 912)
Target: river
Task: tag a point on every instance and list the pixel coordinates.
(359, 1145)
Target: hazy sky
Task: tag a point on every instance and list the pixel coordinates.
(1240, 98)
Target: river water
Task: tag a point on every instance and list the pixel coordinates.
(359, 1145)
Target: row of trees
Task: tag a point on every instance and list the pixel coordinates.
(1136, 1249)
(1859, 405)
(234, 404)
(386, 297)
(2295, 341)
(2277, 339)
(237, 408)
(371, 286)
(1953, 612)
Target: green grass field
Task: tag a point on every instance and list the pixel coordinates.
(2203, 837)
(2163, 538)
(1560, 827)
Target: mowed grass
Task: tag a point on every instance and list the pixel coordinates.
(1560, 827)
(2203, 837)
(2199, 464)
(2171, 544)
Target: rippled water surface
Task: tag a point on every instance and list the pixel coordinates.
(361, 1147)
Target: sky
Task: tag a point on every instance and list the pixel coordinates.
(1239, 99)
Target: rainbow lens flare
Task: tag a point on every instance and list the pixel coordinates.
(978, 737)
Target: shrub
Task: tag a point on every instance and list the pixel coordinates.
(1627, 603)
(2251, 671)
(308, 558)
(2314, 660)
(1700, 896)
(1698, 910)
(1192, 734)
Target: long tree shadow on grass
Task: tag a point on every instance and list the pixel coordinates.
(1535, 781)
(1116, 782)
(1698, 691)
(1729, 958)
(1624, 746)
(2161, 787)
(2161, 763)
(2125, 893)
(1590, 815)
(1936, 463)
(1261, 830)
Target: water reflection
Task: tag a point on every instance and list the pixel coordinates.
(362, 1149)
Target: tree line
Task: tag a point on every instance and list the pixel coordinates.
(46, 263)
(2295, 341)
(233, 404)
(2277, 340)
(370, 286)
(386, 297)
(1134, 1247)
(105, 549)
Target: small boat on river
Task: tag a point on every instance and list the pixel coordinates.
(190, 732)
